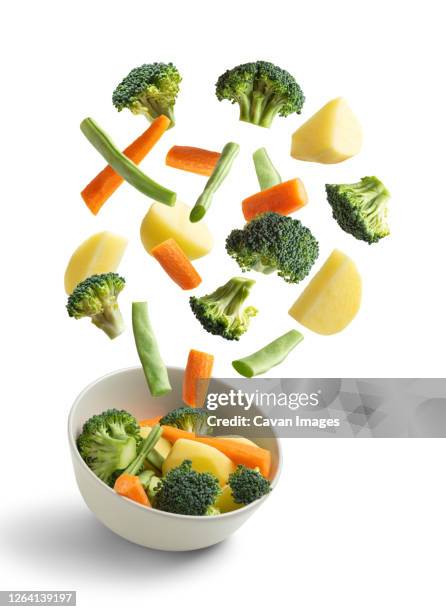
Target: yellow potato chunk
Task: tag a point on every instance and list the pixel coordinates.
(98, 254)
(164, 222)
(332, 298)
(204, 459)
(163, 446)
(225, 502)
(240, 439)
(330, 136)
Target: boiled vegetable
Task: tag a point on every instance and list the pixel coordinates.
(267, 175)
(97, 192)
(123, 166)
(221, 171)
(98, 254)
(164, 222)
(238, 452)
(225, 501)
(175, 263)
(196, 377)
(154, 369)
(163, 446)
(192, 159)
(240, 439)
(332, 298)
(330, 136)
(269, 356)
(283, 199)
(204, 459)
(129, 485)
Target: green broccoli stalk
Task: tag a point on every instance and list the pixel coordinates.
(221, 313)
(271, 242)
(247, 485)
(108, 443)
(151, 482)
(361, 208)
(96, 297)
(262, 91)
(149, 90)
(189, 419)
(185, 491)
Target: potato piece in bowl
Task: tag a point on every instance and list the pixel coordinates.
(204, 459)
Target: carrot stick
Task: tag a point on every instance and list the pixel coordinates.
(283, 198)
(150, 422)
(97, 192)
(192, 159)
(176, 264)
(251, 456)
(195, 382)
(130, 486)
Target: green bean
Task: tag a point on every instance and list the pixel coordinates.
(153, 366)
(123, 166)
(269, 356)
(221, 170)
(267, 175)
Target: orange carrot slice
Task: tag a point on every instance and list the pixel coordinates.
(97, 192)
(192, 159)
(130, 486)
(175, 263)
(150, 422)
(283, 199)
(198, 370)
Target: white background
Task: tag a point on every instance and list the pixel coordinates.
(353, 524)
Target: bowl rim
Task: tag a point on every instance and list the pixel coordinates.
(76, 454)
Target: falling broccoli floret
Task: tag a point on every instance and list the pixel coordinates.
(361, 208)
(108, 443)
(189, 419)
(185, 491)
(247, 485)
(221, 312)
(96, 297)
(149, 90)
(271, 242)
(262, 91)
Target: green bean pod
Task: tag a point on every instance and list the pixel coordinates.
(153, 366)
(123, 166)
(267, 175)
(221, 171)
(269, 356)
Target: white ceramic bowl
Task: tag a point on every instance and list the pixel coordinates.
(127, 390)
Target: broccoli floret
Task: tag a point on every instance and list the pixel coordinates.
(247, 485)
(151, 482)
(272, 242)
(361, 208)
(185, 491)
(149, 90)
(188, 419)
(221, 312)
(108, 443)
(96, 297)
(262, 91)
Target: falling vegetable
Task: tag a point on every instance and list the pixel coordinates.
(154, 369)
(97, 192)
(269, 356)
(175, 263)
(283, 198)
(123, 165)
(196, 377)
(192, 159)
(221, 170)
(267, 175)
